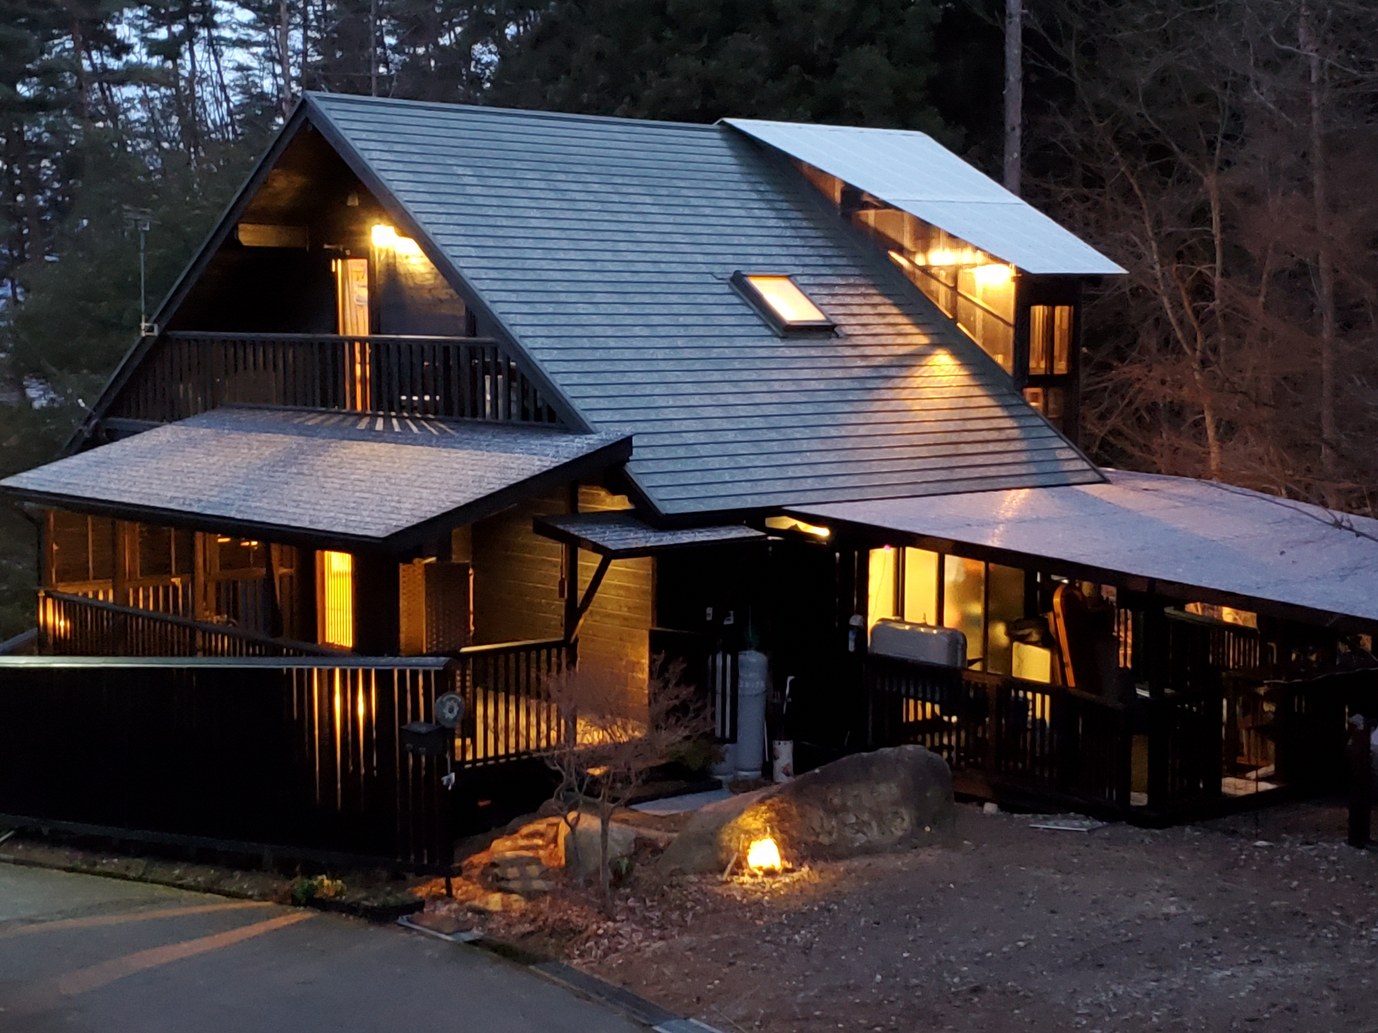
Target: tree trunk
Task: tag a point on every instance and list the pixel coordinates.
(1014, 93)
(1325, 267)
(284, 58)
(604, 872)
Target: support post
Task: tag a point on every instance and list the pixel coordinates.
(1360, 782)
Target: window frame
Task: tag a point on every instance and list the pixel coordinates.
(741, 282)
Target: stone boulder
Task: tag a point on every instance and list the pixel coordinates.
(865, 803)
(580, 848)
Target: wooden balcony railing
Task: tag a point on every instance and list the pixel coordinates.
(72, 625)
(444, 377)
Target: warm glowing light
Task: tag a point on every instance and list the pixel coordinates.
(385, 236)
(996, 274)
(784, 523)
(790, 305)
(943, 256)
(763, 855)
(337, 599)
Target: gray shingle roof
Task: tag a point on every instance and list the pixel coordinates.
(346, 478)
(915, 173)
(605, 248)
(1175, 530)
(622, 534)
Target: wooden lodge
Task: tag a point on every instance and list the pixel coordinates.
(453, 398)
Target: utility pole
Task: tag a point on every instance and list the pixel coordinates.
(1014, 93)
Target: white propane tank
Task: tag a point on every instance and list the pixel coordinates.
(751, 713)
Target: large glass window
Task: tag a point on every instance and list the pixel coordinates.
(1050, 340)
(964, 602)
(921, 586)
(882, 582)
(83, 548)
(979, 599)
(337, 599)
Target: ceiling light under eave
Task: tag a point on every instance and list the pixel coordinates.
(993, 275)
(384, 236)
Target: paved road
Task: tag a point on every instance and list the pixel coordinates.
(80, 953)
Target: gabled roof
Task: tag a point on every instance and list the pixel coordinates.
(604, 248)
(916, 174)
(348, 479)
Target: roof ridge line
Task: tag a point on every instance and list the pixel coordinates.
(495, 109)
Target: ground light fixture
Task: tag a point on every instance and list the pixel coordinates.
(763, 857)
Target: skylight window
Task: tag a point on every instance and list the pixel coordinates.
(779, 299)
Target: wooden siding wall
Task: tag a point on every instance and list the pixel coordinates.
(618, 626)
(413, 298)
(517, 577)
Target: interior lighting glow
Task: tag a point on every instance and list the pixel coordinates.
(993, 275)
(787, 300)
(779, 299)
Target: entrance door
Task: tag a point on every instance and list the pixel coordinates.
(818, 589)
(352, 320)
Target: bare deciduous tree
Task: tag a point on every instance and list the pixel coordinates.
(1218, 149)
(618, 726)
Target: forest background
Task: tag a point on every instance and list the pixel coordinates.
(1222, 151)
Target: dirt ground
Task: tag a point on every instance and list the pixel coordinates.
(1262, 922)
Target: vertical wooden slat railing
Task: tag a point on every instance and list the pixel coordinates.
(509, 713)
(1040, 739)
(443, 377)
(708, 665)
(71, 625)
(298, 755)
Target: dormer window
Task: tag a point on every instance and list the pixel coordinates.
(779, 299)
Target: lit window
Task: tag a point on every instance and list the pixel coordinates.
(780, 300)
(337, 599)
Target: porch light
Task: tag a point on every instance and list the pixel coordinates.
(763, 856)
(387, 237)
(779, 299)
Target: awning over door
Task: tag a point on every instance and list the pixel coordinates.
(329, 479)
(1170, 530)
(623, 535)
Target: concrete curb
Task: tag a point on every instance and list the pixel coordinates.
(634, 1006)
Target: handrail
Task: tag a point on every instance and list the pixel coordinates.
(206, 627)
(19, 644)
(511, 647)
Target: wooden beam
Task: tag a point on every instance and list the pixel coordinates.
(586, 600)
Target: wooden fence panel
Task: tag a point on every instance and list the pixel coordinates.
(293, 754)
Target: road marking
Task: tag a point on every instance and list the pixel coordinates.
(96, 976)
(95, 921)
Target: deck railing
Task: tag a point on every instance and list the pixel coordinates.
(1042, 740)
(71, 625)
(509, 715)
(302, 756)
(444, 377)
(709, 665)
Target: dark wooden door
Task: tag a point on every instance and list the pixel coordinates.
(816, 649)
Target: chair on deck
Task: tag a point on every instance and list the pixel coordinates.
(1089, 651)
